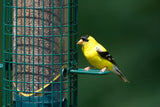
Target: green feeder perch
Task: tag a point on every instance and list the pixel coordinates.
(40, 53)
(91, 71)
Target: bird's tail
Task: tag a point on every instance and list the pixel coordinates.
(117, 71)
(123, 78)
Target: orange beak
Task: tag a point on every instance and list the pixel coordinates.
(80, 42)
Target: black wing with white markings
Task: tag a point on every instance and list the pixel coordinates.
(106, 55)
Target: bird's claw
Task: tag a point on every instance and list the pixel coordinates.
(103, 69)
(87, 68)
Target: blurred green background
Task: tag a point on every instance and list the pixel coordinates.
(130, 30)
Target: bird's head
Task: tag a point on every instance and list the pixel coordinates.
(85, 40)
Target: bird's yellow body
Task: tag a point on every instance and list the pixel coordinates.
(98, 56)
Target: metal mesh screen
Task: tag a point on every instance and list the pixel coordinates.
(39, 49)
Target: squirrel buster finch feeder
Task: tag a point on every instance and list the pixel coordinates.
(39, 50)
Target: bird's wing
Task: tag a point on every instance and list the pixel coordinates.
(104, 54)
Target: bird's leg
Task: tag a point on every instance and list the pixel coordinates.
(87, 68)
(103, 69)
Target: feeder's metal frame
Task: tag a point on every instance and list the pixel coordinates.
(66, 71)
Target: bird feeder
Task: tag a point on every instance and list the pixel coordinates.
(40, 53)
(39, 49)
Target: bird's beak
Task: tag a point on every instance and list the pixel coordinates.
(80, 42)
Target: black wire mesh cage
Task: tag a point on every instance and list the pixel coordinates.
(39, 50)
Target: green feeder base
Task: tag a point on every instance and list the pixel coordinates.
(37, 101)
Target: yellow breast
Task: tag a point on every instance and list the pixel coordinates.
(95, 59)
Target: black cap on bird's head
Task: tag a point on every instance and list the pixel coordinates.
(83, 39)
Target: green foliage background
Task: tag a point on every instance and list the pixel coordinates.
(130, 30)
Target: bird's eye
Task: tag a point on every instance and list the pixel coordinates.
(85, 38)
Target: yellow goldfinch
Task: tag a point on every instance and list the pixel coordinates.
(98, 56)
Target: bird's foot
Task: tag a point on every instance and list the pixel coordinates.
(103, 69)
(87, 68)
